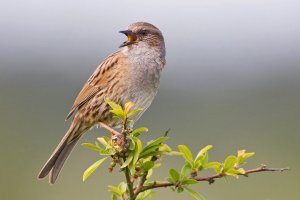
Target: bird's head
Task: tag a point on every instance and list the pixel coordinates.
(143, 32)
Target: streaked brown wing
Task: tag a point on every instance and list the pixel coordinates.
(87, 92)
(98, 80)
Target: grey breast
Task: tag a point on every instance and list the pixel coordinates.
(145, 67)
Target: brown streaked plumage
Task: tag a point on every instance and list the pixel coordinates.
(130, 74)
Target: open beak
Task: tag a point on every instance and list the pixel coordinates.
(131, 38)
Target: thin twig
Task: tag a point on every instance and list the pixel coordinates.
(126, 171)
(140, 184)
(129, 183)
(211, 179)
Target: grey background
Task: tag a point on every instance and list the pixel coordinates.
(232, 80)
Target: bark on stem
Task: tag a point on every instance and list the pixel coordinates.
(211, 179)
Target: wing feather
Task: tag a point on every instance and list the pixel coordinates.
(97, 81)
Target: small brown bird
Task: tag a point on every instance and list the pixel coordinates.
(130, 74)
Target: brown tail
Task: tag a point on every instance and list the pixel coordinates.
(61, 153)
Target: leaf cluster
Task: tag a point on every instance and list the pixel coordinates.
(138, 160)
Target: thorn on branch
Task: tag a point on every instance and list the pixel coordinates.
(167, 132)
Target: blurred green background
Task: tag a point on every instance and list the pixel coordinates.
(232, 80)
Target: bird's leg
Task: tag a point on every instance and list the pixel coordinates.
(117, 137)
(113, 132)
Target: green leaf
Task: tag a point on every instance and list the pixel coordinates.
(158, 141)
(174, 175)
(152, 147)
(165, 148)
(169, 179)
(149, 151)
(145, 195)
(242, 156)
(135, 111)
(186, 170)
(118, 112)
(175, 153)
(131, 167)
(107, 139)
(202, 152)
(132, 144)
(205, 159)
(202, 158)
(130, 122)
(150, 172)
(127, 107)
(92, 146)
(150, 154)
(147, 165)
(122, 187)
(186, 154)
(103, 141)
(157, 165)
(137, 151)
(248, 155)
(179, 190)
(115, 190)
(107, 152)
(112, 104)
(128, 160)
(92, 168)
(114, 197)
(138, 131)
(215, 165)
(241, 171)
(233, 172)
(189, 181)
(194, 194)
(229, 162)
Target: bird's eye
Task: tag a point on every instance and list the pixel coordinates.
(143, 32)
